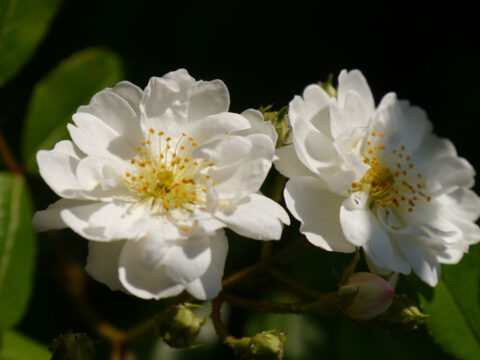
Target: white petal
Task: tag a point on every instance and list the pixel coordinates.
(120, 114)
(340, 182)
(258, 125)
(188, 260)
(130, 93)
(77, 218)
(354, 81)
(447, 172)
(57, 168)
(140, 281)
(315, 100)
(120, 220)
(346, 146)
(162, 228)
(256, 217)
(103, 172)
(217, 125)
(182, 78)
(288, 164)
(209, 284)
(224, 151)
(237, 180)
(355, 219)
(432, 148)
(91, 134)
(102, 262)
(164, 106)
(352, 114)
(415, 125)
(49, 219)
(423, 263)
(314, 148)
(319, 211)
(464, 203)
(208, 98)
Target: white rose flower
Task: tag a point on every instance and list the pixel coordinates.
(377, 179)
(152, 177)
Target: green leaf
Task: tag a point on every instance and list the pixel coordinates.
(16, 346)
(454, 306)
(58, 96)
(17, 249)
(23, 23)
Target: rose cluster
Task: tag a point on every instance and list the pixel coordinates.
(153, 177)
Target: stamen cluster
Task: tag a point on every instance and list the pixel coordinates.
(167, 175)
(390, 179)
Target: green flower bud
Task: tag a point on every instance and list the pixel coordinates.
(72, 346)
(178, 326)
(365, 296)
(403, 314)
(279, 120)
(267, 345)
(328, 87)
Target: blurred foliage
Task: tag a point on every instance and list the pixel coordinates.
(16, 346)
(17, 249)
(454, 306)
(22, 26)
(433, 65)
(60, 93)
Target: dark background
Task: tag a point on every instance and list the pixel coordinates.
(266, 52)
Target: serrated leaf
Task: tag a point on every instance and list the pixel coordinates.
(16, 346)
(454, 306)
(23, 23)
(17, 249)
(60, 93)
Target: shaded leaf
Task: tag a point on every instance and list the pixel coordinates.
(22, 26)
(454, 306)
(17, 249)
(16, 346)
(71, 84)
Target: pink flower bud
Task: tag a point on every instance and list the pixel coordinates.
(365, 295)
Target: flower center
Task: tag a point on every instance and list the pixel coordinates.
(391, 179)
(164, 173)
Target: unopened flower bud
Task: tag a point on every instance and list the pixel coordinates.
(365, 296)
(179, 326)
(72, 346)
(403, 314)
(279, 120)
(267, 345)
(328, 87)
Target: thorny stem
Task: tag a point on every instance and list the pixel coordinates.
(220, 328)
(8, 157)
(325, 305)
